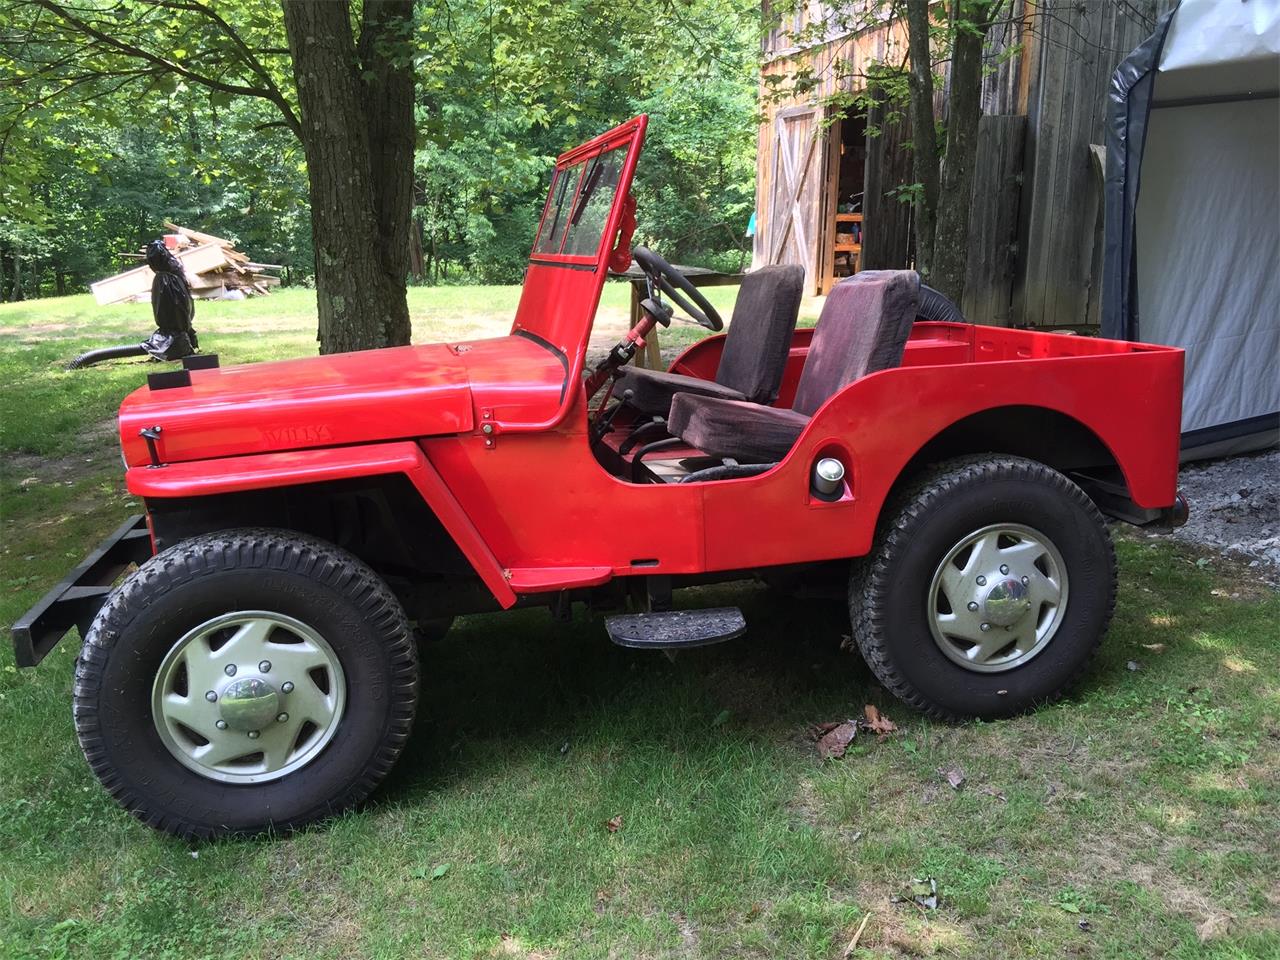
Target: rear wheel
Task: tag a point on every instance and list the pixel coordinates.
(990, 587)
(245, 680)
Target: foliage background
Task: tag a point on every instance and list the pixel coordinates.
(92, 163)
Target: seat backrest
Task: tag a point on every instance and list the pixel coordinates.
(863, 328)
(759, 337)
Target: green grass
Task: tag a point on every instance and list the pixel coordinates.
(1146, 804)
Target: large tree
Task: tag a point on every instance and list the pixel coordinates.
(343, 85)
(945, 198)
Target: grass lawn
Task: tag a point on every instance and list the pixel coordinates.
(1136, 819)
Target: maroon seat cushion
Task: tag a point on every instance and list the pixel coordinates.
(748, 432)
(650, 391)
(863, 328)
(755, 347)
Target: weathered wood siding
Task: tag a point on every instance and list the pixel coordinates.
(1050, 61)
(993, 226)
(886, 237)
(1077, 48)
(837, 66)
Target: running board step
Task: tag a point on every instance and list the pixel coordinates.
(673, 629)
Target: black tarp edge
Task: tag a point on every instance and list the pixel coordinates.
(1128, 108)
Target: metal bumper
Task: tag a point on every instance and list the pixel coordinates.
(76, 600)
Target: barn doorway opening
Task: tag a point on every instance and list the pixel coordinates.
(845, 228)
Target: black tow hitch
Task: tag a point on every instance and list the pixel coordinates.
(76, 600)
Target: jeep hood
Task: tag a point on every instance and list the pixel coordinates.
(349, 398)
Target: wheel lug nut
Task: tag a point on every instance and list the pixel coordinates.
(211, 696)
(229, 669)
(282, 718)
(1004, 568)
(221, 724)
(264, 666)
(982, 581)
(973, 605)
(287, 686)
(986, 627)
(253, 734)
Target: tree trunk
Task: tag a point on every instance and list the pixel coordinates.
(386, 55)
(15, 291)
(924, 139)
(359, 292)
(951, 234)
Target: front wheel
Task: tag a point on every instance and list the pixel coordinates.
(990, 587)
(245, 680)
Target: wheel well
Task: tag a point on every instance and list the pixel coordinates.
(1037, 433)
(382, 520)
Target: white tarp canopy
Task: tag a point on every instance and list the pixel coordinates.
(1193, 205)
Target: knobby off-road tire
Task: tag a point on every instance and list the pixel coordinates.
(995, 504)
(247, 577)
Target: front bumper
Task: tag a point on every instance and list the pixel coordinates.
(77, 599)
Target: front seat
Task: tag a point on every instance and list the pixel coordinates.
(755, 348)
(863, 328)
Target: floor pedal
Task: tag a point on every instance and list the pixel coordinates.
(673, 629)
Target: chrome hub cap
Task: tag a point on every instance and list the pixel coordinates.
(248, 704)
(997, 598)
(248, 697)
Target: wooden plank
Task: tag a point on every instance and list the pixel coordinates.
(886, 236)
(993, 225)
(131, 283)
(197, 236)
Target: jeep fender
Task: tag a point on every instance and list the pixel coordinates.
(268, 470)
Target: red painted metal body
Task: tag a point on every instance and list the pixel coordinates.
(494, 433)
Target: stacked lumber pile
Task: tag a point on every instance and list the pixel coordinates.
(215, 269)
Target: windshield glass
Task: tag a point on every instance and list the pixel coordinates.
(578, 205)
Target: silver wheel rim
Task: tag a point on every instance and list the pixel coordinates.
(248, 697)
(997, 598)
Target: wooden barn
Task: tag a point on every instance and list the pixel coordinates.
(826, 191)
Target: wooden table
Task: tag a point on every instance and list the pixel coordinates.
(651, 357)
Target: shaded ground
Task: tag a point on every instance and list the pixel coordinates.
(1136, 819)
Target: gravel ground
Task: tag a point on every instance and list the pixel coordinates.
(1235, 509)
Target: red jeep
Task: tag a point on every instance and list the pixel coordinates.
(260, 668)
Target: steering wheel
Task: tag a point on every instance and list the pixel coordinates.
(676, 285)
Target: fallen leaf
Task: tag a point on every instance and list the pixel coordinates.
(440, 870)
(721, 718)
(602, 900)
(614, 824)
(955, 777)
(1068, 907)
(877, 722)
(835, 741)
(847, 643)
(1133, 665)
(1154, 647)
(995, 794)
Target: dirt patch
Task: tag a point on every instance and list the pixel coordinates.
(1235, 510)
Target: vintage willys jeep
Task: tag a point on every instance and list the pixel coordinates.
(258, 668)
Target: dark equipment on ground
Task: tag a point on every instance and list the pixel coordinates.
(173, 309)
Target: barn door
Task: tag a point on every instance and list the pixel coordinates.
(887, 240)
(793, 227)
